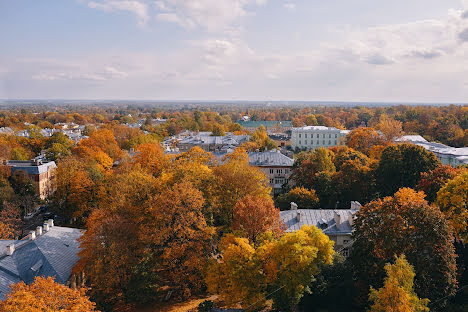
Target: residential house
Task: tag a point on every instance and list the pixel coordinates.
(48, 251)
(337, 224)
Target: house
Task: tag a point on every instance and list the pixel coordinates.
(454, 156)
(205, 140)
(48, 251)
(276, 166)
(337, 224)
(312, 137)
(42, 174)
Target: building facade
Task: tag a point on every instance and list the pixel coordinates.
(276, 166)
(312, 137)
(42, 174)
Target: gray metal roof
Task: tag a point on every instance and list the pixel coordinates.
(321, 218)
(269, 158)
(51, 254)
(30, 167)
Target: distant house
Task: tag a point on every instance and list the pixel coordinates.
(276, 166)
(48, 251)
(206, 141)
(42, 174)
(337, 224)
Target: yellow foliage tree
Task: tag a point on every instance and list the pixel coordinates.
(45, 295)
(397, 293)
(453, 202)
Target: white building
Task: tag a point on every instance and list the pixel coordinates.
(312, 137)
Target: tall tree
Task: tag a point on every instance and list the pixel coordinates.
(405, 224)
(363, 139)
(397, 293)
(432, 181)
(402, 165)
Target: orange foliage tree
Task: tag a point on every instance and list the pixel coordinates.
(363, 139)
(254, 216)
(45, 295)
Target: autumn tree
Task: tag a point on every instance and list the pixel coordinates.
(402, 165)
(452, 199)
(254, 216)
(396, 225)
(304, 198)
(397, 293)
(282, 267)
(263, 141)
(390, 128)
(308, 164)
(45, 295)
(235, 179)
(432, 181)
(151, 157)
(363, 139)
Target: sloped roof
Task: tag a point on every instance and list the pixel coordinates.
(319, 217)
(30, 167)
(51, 254)
(269, 158)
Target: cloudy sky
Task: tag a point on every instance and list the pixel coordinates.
(336, 50)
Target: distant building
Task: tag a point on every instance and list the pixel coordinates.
(48, 251)
(270, 126)
(337, 224)
(42, 174)
(454, 156)
(312, 137)
(276, 166)
(205, 140)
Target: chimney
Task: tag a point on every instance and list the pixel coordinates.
(10, 249)
(38, 230)
(50, 222)
(293, 206)
(298, 216)
(32, 235)
(45, 227)
(351, 219)
(337, 219)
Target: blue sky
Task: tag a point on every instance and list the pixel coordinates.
(344, 50)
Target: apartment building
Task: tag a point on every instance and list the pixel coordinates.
(42, 174)
(276, 166)
(312, 137)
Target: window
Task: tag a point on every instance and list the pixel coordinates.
(336, 135)
(300, 143)
(329, 142)
(305, 142)
(345, 252)
(323, 142)
(271, 171)
(318, 135)
(271, 181)
(286, 171)
(305, 136)
(279, 170)
(329, 135)
(323, 136)
(299, 135)
(345, 241)
(336, 143)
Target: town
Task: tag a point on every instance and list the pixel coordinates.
(134, 209)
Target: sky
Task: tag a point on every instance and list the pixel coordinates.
(306, 50)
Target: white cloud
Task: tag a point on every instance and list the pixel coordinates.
(212, 15)
(289, 5)
(139, 8)
(108, 73)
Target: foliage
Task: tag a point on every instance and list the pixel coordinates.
(45, 295)
(205, 306)
(397, 293)
(362, 139)
(304, 198)
(453, 201)
(432, 181)
(402, 165)
(405, 224)
(283, 267)
(260, 137)
(254, 216)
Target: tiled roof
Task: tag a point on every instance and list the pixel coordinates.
(52, 254)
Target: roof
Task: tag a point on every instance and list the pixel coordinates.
(319, 128)
(321, 218)
(52, 254)
(30, 167)
(411, 138)
(270, 158)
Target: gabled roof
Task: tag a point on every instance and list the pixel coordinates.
(52, 254)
